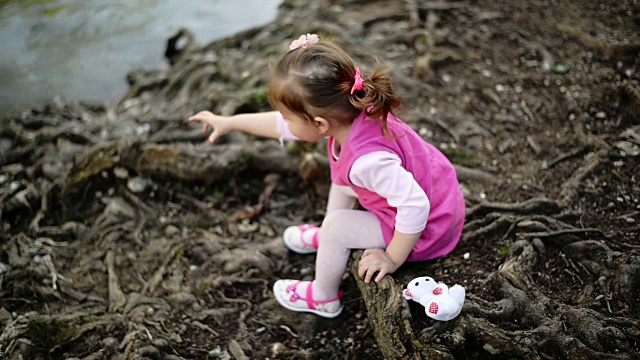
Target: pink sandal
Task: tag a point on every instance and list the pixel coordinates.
(294, 239)
(287, 296)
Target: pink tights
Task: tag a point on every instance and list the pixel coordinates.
(343, 229)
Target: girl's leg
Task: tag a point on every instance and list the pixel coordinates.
(342, 230)
(303, 239)
(340, 197)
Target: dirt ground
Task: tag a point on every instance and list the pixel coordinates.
(124, 235)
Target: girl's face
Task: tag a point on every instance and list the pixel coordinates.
(301, 128)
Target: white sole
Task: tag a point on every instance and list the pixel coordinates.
(285, 238)
(292, 308)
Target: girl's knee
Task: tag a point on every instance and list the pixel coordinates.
(334, 223)
(351, 229)
(335, 218)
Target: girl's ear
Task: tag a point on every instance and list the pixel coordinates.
(322, 124)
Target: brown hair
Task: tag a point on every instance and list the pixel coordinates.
(317, 80)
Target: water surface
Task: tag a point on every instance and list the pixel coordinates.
(82, 49)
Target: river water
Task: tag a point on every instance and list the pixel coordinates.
(83, 49)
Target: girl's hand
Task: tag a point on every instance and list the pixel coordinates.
(375, 260)
(221, 125)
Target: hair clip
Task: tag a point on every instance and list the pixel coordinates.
(303, 41)
(358, 81)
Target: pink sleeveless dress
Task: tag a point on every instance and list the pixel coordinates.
(430, 168)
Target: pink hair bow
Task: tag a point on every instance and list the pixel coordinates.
(303, 41)
(358, 81)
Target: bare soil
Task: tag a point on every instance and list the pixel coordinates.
(124, 235)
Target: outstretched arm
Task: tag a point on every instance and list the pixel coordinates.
(260, 124)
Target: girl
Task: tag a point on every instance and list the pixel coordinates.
(415, 209)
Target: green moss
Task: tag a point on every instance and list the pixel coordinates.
(217, 194)
(48, 335)
(257, 99)
(25, 3)
(461, 157)
(204, 287)
(53, 11)
(92, 164)
(503, 251)
(245, 159)
(179, 251)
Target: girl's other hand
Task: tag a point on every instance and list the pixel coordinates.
(220, 124)
(375, 260)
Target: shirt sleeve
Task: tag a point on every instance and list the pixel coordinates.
(382, 172)
(283, 129)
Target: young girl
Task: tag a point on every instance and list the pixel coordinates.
(415, 209)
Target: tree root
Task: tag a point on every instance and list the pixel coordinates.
(176, 271)
(183, 162)
(116, 297)
(621, 52)
(537, 205)
(570, 188)
(390, 317)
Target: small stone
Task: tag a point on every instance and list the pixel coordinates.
(121, 173)
(160, 343)
(271, 178)
(248, 227)
(138, 184)
(149, 352)
(219, 353)
(119, 207)
(171, 230)
(466, 256)
(278, 349)
(490, 349)
(110, 342)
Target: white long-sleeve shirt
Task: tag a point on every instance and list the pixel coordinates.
(382, 172)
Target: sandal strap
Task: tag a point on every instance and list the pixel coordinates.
(314, 240)
(309, 299)
(310, 296)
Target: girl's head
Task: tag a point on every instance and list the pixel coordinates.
(317, 79)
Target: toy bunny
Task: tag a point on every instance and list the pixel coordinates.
(440, 301)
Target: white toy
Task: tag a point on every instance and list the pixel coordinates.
(440, 302)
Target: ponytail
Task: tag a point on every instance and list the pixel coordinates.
(377, 97)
